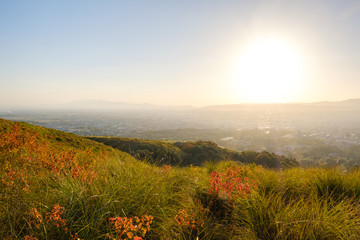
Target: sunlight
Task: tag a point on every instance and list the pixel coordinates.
(269, 70)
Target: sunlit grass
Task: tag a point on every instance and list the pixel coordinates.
(223, 200)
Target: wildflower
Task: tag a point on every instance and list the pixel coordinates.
(27, 237)
(230, 184)
(36, 218)
(75, 237)
(185, 220)
(166, 168)
(130, 228)
(54, 216)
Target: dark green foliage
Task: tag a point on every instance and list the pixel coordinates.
(153, 151)
(196, 153)
(288, 162)
(268, 160)
(192, 153)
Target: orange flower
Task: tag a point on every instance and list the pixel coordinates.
(36, 218)
(27, 237)
(185, 220)
(130, 228)
(54, 216)
(231, 184)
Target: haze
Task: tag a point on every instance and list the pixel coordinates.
(178, 52)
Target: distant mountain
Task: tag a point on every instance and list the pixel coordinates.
(110, 105)
(350, 103)
(101, 104)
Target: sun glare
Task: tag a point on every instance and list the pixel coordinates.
(269, 70)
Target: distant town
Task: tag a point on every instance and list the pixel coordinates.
(318, 132)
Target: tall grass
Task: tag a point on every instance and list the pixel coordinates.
(289, 204)
(271, 217)
(129, 188)
(337, 185)
(45, 201)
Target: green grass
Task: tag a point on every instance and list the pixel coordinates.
(272, 217)
(293, 203)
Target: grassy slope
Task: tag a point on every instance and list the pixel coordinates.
(41, 168)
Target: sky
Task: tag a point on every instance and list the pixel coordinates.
(178, 52)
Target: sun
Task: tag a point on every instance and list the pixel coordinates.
(269, 70)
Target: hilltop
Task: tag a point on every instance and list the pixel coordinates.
(56, 185)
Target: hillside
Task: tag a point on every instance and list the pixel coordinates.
(36, 162)
(192, 153)
(55, 185)
(29, 148)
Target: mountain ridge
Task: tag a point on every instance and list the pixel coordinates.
(99, 104)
